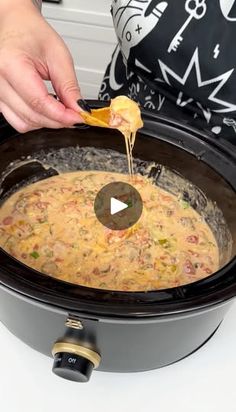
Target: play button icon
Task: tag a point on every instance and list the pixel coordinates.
(118, 206)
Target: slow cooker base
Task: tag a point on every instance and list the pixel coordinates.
(191, 353)
(132, 371)
(124, 345)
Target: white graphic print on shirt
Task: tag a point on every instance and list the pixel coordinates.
(226, 8)
(134, 20)
(217, 82)
(177, 58)
(196, 9)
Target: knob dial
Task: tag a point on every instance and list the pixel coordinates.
(74, 362)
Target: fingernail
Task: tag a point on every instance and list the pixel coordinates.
(84, 105)
(81, 126)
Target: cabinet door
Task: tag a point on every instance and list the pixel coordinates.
(91, 11)
(86, 27)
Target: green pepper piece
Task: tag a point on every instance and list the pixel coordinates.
(184, 204)
(162, 242)
(34, 254)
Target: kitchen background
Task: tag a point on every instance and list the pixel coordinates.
(86, 27)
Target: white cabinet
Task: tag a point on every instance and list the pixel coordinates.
(86, 27)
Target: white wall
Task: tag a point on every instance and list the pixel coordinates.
(86, 27)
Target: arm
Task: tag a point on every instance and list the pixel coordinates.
(30, 52)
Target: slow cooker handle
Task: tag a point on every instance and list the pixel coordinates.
(74, 362)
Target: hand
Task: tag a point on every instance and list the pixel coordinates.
(30, 52)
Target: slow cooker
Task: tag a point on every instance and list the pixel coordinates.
(82, 328)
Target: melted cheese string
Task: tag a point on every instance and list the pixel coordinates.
(126, 117)
(129, 144)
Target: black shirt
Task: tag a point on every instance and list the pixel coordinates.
(177, 58)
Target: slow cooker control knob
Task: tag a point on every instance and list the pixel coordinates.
(74, 362)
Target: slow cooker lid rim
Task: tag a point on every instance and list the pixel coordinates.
(150, 116)
(114, 312)
(88, 302)
(216, 145)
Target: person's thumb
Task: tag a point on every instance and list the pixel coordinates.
(63, 79)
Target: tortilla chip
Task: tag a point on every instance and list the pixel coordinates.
(97, 117)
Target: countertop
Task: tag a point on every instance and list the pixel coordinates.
(203, 382)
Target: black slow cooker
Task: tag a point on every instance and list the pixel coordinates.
(85, 328)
